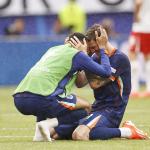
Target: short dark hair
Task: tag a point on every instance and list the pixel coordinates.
(90, 34)
(79, 35)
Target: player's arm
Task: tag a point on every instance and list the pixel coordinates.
(126, 79)
(123, 70)
(81, 79)
(89, 78)
(96, 81)
(93, 80)
(84, 62)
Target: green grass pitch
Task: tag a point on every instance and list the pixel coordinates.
(16, 130)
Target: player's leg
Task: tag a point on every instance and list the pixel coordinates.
(64, 131)
(58, 107)
(31, 104)
(97, 126)
(104, 133)
(61, 107)
(134, 49)
(73, 102)
(38, 136)
(66, 124)
(145, 49)
(128, 130)
(93, 127)
(86, 124)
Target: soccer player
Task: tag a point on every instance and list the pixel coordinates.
(110, 101)
(111, 97)
(139, 42)
(45, 90)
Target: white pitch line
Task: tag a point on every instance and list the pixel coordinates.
(16, 136)
(5, 129)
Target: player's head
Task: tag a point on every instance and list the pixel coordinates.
(76, 37)
(91, 38)
(79, 35)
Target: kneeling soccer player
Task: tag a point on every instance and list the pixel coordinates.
(110, 101)
(111, 96)
(45, 92)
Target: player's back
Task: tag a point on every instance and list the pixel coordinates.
(45, 75)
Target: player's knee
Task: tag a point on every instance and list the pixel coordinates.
(74, 135)
(77, 136)
(81, 133)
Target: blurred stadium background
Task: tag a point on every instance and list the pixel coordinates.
(19, 52)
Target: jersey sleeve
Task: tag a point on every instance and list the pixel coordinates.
(94, 57)
(84, 62)
(122, 72)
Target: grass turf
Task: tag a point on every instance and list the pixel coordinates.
(17, 130)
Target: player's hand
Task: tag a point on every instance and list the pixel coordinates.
(102, 39)
(75, 42)
(66, 40)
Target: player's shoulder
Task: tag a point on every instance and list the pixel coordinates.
(120, 56)
(120, 59)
